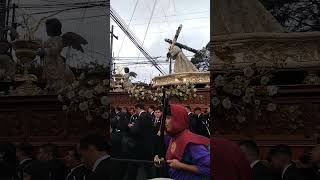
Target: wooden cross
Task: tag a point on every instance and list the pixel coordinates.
(172, 45)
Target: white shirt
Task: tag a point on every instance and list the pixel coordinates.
(99, 161)
(254, 163)
(141, 112)
(284, 170)
(21, 162)
(73, 170)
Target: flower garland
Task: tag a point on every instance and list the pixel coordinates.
(244, 92)
(88, 96)
(181, 92)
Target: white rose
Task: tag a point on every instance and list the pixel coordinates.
(161, 94)
(195, 90)
(219, 81)
(64, 108)
(81, 93)
(181, 94)
(88, 94)
(99, 89)
(105, 115)
(264, 80)
(195, 95)
(226, 103)
(75, 84)
(60, 98)
(83, 106)
(271, 107)
(82, 76)
(70, 94)
(142, 93)
(250, 92)
(105, 100)
(246, 99)
(215, 101)
(236, 92)
(90, 82)
(272, 90)
(241, 119)
(248, 72)
(154, 99)
(106, 82)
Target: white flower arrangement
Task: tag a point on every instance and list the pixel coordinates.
(88, 96)
(244, 91)
(181, 92)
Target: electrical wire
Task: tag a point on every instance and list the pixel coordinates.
(134, 10)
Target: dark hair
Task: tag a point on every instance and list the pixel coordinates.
(197, 109)
(96, 140)
(26, 149)
(54, 27)
(152, 107)
(76, 154)
(250, 145)
(188, 107)
(280, 150)
(159, 108)
(126, 70)
(50, 149)
(139, 105)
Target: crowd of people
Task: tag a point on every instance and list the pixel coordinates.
(135, 144)
(242, 161)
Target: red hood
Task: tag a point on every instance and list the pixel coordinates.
(179, 119)
(180, 134)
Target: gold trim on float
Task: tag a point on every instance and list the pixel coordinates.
(182, 78)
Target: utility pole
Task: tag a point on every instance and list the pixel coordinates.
(3, 11)
(111, 46)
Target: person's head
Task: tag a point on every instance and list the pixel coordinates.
(132, 111)
(280, 156)
(139, 107)
(47, 152)
(126, 70)
(197, 110)
(176, 119)
(315, 156)
(158, 112)
(24, 151)
(250, 149)
(151, 109)
(53, 27)
(93, 147)
(188, 109)
(72, 158)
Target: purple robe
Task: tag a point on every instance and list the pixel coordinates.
(198, 155)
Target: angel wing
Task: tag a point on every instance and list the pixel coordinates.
(74, 40)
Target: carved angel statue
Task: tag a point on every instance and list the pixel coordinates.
(56, 71)
(7, 65)
(128, 74)
(182, 63)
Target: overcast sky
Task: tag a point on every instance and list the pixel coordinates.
(167, 16)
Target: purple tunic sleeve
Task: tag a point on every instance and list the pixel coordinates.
(200, 157)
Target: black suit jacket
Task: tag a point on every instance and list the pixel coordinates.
(22, 167)
(192, 122)
(261, 172)
(79, 173)
(143, 134)
(201, 126)
(292, 173)
(57, 170)
(102, 171)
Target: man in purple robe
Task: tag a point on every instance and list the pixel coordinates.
(188, 154)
